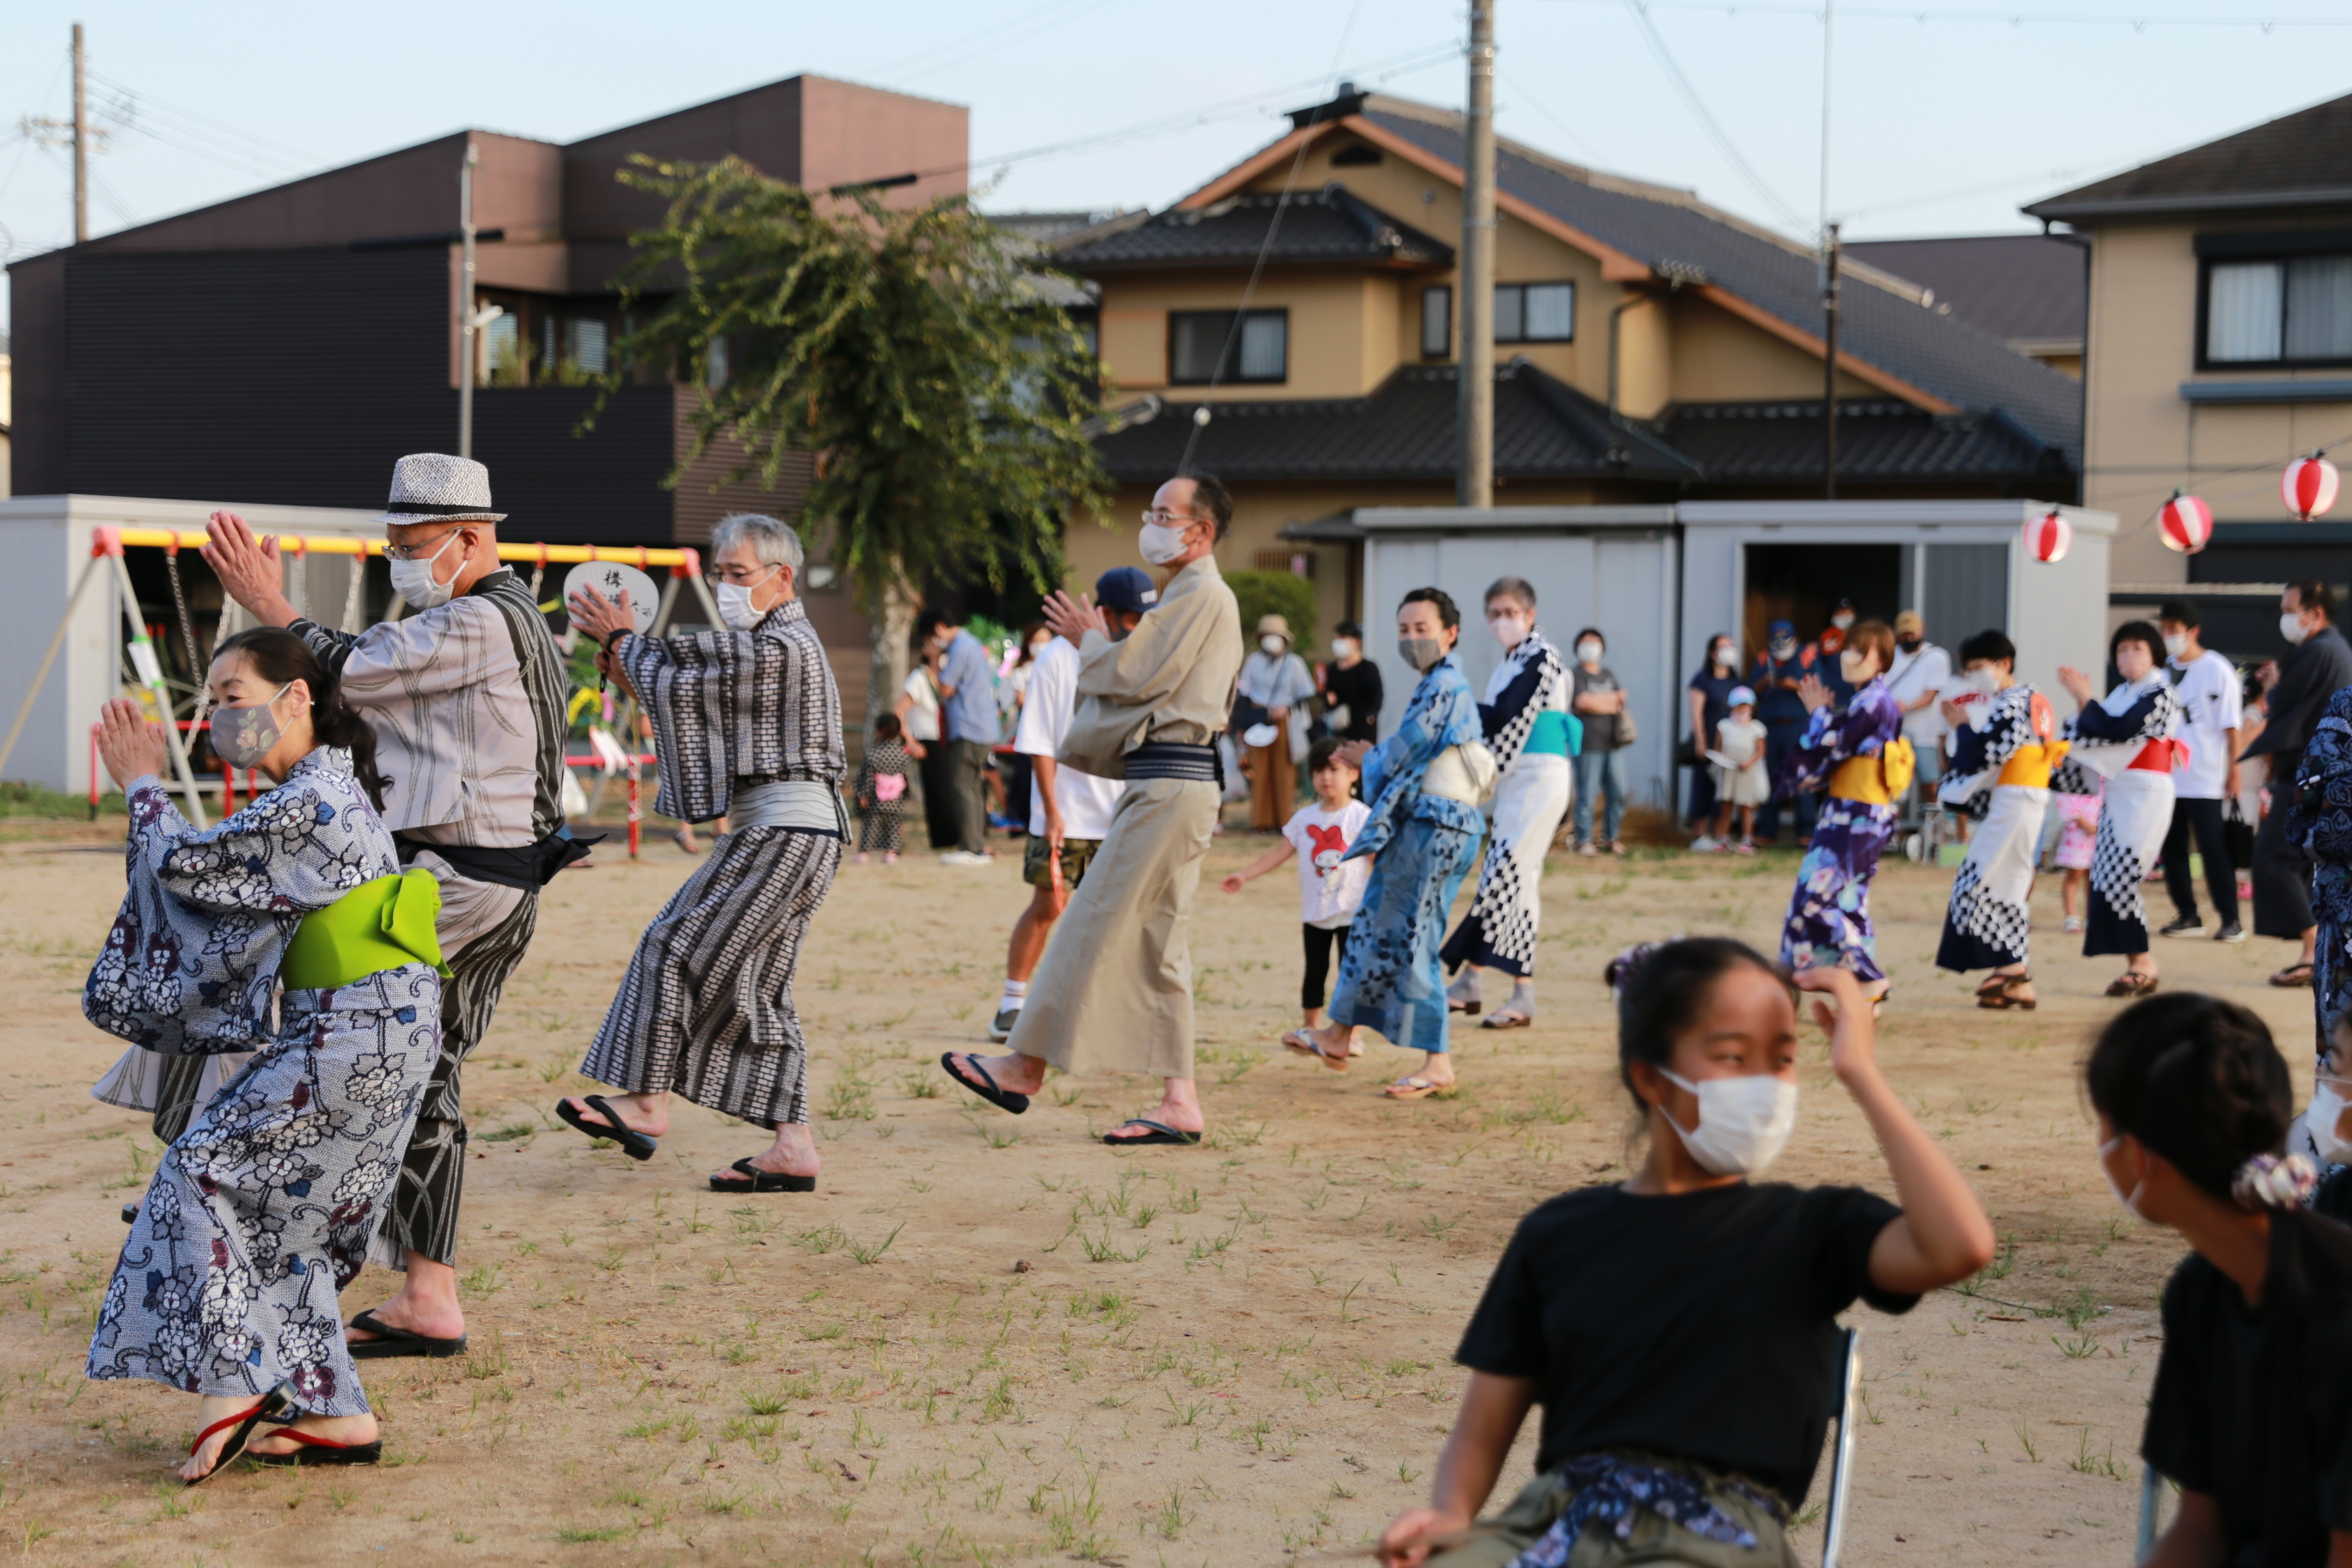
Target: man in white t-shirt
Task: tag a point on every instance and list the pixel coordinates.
(1070, 811)
(1919, 680)
(2212, 711)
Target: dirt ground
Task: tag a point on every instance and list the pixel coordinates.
(988, 1339)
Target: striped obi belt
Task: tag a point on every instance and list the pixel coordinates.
(1875, 780)
(2160, 757)
(376, 926)
(2033, 766)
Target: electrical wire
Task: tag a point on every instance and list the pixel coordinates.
(1697, 106)
(2013, 18)
(997, 36)
(220, 130)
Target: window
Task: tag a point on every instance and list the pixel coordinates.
(1535, 312)
(1436, 322)
(1199, 340)
(2295, 310)
(583, 344)
(502, 350)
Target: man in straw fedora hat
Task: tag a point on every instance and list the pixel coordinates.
(1275, 685)
(467, 696)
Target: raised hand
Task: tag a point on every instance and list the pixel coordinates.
(129, 742)
(1072, 618)
(598, 617)
(1844, 1015)
(1814, 693)
(248, 568)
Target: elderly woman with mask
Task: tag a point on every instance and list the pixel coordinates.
(1424, 783)
(1531, 735)
(1859, 757)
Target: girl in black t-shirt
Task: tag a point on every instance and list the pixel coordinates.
(1679, 1330)
(2251, 1411)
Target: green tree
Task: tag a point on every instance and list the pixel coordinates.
(943, 394)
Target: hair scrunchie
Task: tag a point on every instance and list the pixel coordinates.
(2274, 1181)
(1621, 968)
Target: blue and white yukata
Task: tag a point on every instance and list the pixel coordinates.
(1390, 976)
(261, 1211)
(2002, 760)
(1829, 911)
(2127, 737)
(2320, 823)
(1532, 735)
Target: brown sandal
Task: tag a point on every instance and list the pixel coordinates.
(2296, 977)
(2133, 983)
(2003, 996)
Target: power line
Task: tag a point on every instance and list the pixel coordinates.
(221, 128)
(1697, 107)
(2008, 18)
(998, 36)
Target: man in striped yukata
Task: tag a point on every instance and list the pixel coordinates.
(467, 697)
(747, 725)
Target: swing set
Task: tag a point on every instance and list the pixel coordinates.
(106, 560)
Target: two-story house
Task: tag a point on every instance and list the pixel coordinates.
(1649, 348)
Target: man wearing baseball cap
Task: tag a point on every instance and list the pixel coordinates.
(1779, 668)
(1919, 679)
(1070, 811)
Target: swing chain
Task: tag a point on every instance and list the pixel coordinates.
(187, 627)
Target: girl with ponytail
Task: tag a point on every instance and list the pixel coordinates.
(2252, 1410)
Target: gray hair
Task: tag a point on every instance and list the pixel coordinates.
(773, 542)
(1517, 588)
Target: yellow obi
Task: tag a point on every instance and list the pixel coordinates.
(1875, 781)
(2031, 766)
(377, 925)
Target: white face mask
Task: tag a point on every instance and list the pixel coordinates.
(735, 605)
(413, 580)
(2328, 1107)
(1343, 647)
(2129, 1200)
(1273, 646)
(1850, 665)
(2175, 644)
(1160, 544)
(1588, 652)
(1983, 682)
(1743, 1122)
(1509, 629)
(1720, 654)
(1842, 619)
(2291, 628)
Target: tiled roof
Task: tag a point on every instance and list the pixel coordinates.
(1403, 430)
(1326, 227)
(2294, 159)
(1877, 325)
(1881, 441)
(2021, 288)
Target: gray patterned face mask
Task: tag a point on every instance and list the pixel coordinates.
(243, 736)
(1421, 653)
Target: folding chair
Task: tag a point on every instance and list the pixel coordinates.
(2151, 1506)
(1842, 1459)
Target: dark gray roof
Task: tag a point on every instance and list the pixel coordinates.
(1402, 430)
(1884, 441)
(2021, 288)
(1331, 227)
(1044, 227)
(1939, 353)
(2294, 160)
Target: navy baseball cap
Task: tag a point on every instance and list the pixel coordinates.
(1780, 629)
(1126, 588)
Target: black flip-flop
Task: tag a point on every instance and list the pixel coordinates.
(1160, 1133)
(318, 1451)
(762, 1181)
(275, 1403)
(390, 1343)
(634, 1143)
(1004, 1099)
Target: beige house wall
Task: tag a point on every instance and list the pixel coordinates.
(1339, 322)
(1718, 357)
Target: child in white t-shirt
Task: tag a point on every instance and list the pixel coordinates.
(1329, 887)
(1745, 785)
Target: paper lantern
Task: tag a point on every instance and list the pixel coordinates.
(2048, 536)
(2308, 486)
(2184, 523)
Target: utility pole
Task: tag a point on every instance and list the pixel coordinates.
(81, 144)
(1473, 484)
(466, 301)
(1829, 366)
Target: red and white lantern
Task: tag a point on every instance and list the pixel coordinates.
(2048, 536)
(2184, 523)
(2308, 486)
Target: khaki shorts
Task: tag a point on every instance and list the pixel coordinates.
(1077, 854)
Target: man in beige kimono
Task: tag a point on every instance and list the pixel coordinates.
(1114, 992)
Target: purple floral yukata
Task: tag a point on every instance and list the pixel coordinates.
(261, 1212)
(1829, 912)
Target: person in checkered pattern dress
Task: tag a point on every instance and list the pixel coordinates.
(2128, 738)
(2004, 744)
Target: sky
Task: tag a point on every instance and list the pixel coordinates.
(1944, 115)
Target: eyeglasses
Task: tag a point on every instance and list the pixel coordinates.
(1170, 518)
(740, 576)
(419, 551)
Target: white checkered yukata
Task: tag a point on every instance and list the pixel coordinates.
(1985, 924)
(2127, 736)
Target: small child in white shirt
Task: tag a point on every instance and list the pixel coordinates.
(1330, 888)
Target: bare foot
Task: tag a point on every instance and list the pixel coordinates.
(1013, 1073)
(427, 1304)
(645, 1113)
(1179, 1107)
(351, 1431)
(793, 1154)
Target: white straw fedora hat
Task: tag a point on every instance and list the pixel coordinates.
(433, 487)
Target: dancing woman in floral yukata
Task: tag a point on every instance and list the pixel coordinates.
(1423, 833)
(1861, 757)
(288, 931)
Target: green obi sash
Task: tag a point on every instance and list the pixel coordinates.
(377, 925)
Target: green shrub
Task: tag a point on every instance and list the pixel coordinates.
(1275, 594)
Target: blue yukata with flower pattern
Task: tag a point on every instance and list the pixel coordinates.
(261, 1212)
(2320, 823)
(1392, 978)
(1829, 912)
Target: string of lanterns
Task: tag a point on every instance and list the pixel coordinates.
(2184, 523)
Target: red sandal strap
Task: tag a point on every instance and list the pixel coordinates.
(311, 1438)
(224, 1424)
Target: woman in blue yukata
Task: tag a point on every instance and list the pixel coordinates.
(1861, 759)
(1424, 784)
(290, 931)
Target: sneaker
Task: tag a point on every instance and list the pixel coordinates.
(2231, 931)
(1745, 846)
(2187, 925)
(1588, 848)
(1706, 844)
(2074, 925)
(1001, 1030)
(964, 857)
